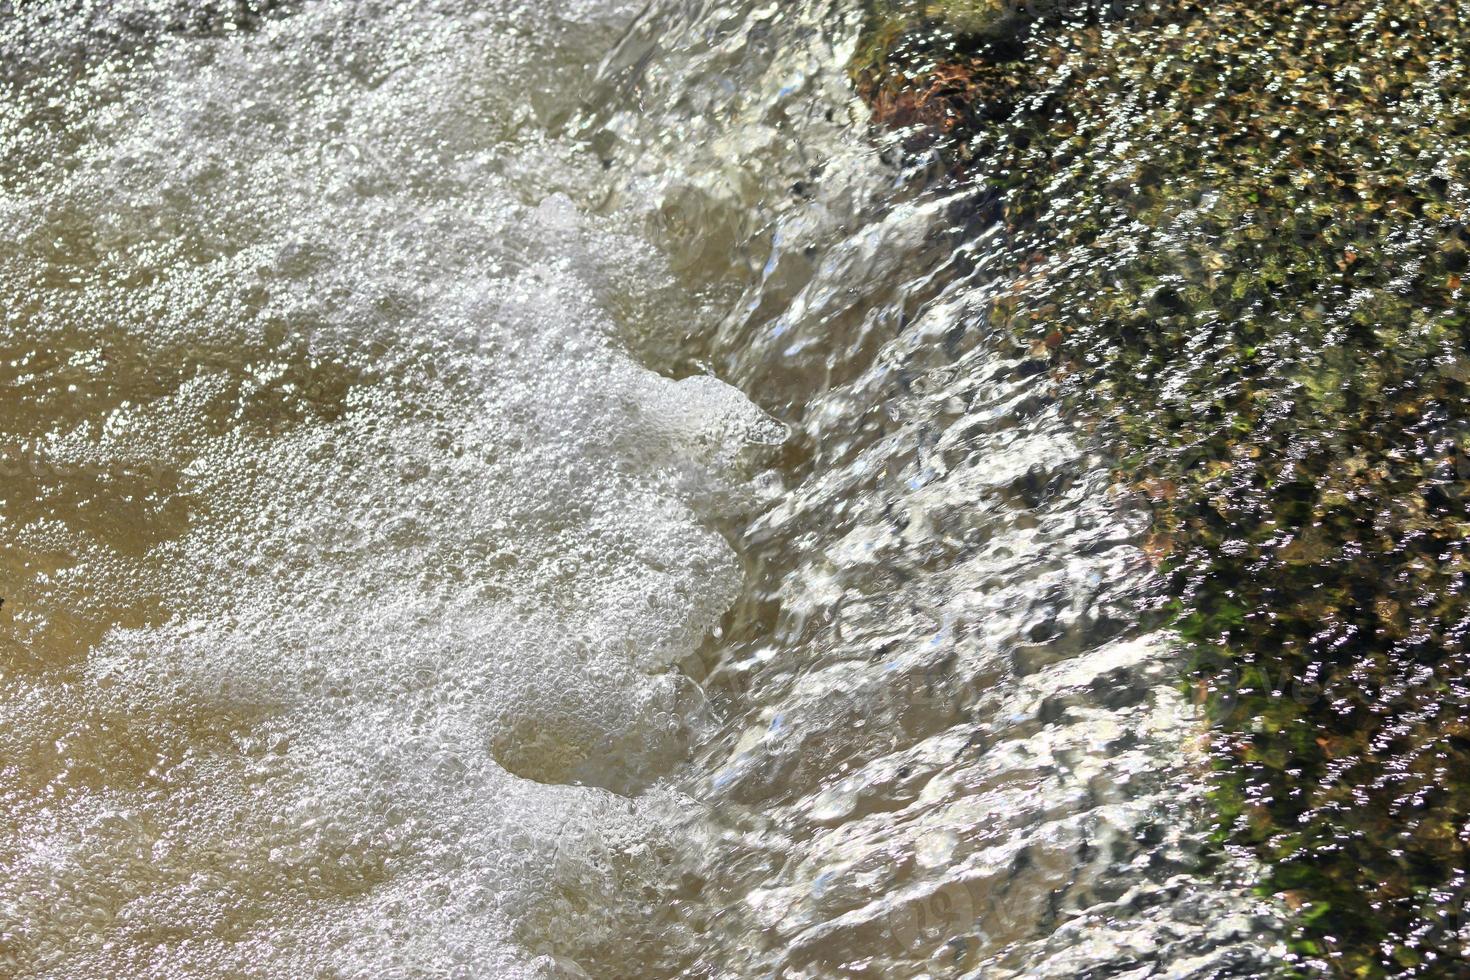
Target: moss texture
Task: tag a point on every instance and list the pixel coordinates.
(1238, 232)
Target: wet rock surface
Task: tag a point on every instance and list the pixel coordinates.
(1237, 233)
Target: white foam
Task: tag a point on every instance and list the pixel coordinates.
(383, 674)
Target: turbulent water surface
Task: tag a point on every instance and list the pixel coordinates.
(515, 489)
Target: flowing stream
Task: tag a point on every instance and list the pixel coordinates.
(510, 489)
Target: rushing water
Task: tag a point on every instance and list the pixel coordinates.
(378, 603)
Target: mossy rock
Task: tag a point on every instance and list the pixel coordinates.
(1238, 230)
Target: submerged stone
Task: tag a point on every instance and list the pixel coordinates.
(1237, 232)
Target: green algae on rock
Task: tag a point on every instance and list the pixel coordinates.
(1239, 233)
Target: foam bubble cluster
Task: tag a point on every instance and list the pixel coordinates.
(346, 552)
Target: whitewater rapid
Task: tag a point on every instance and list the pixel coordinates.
(393, 588)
